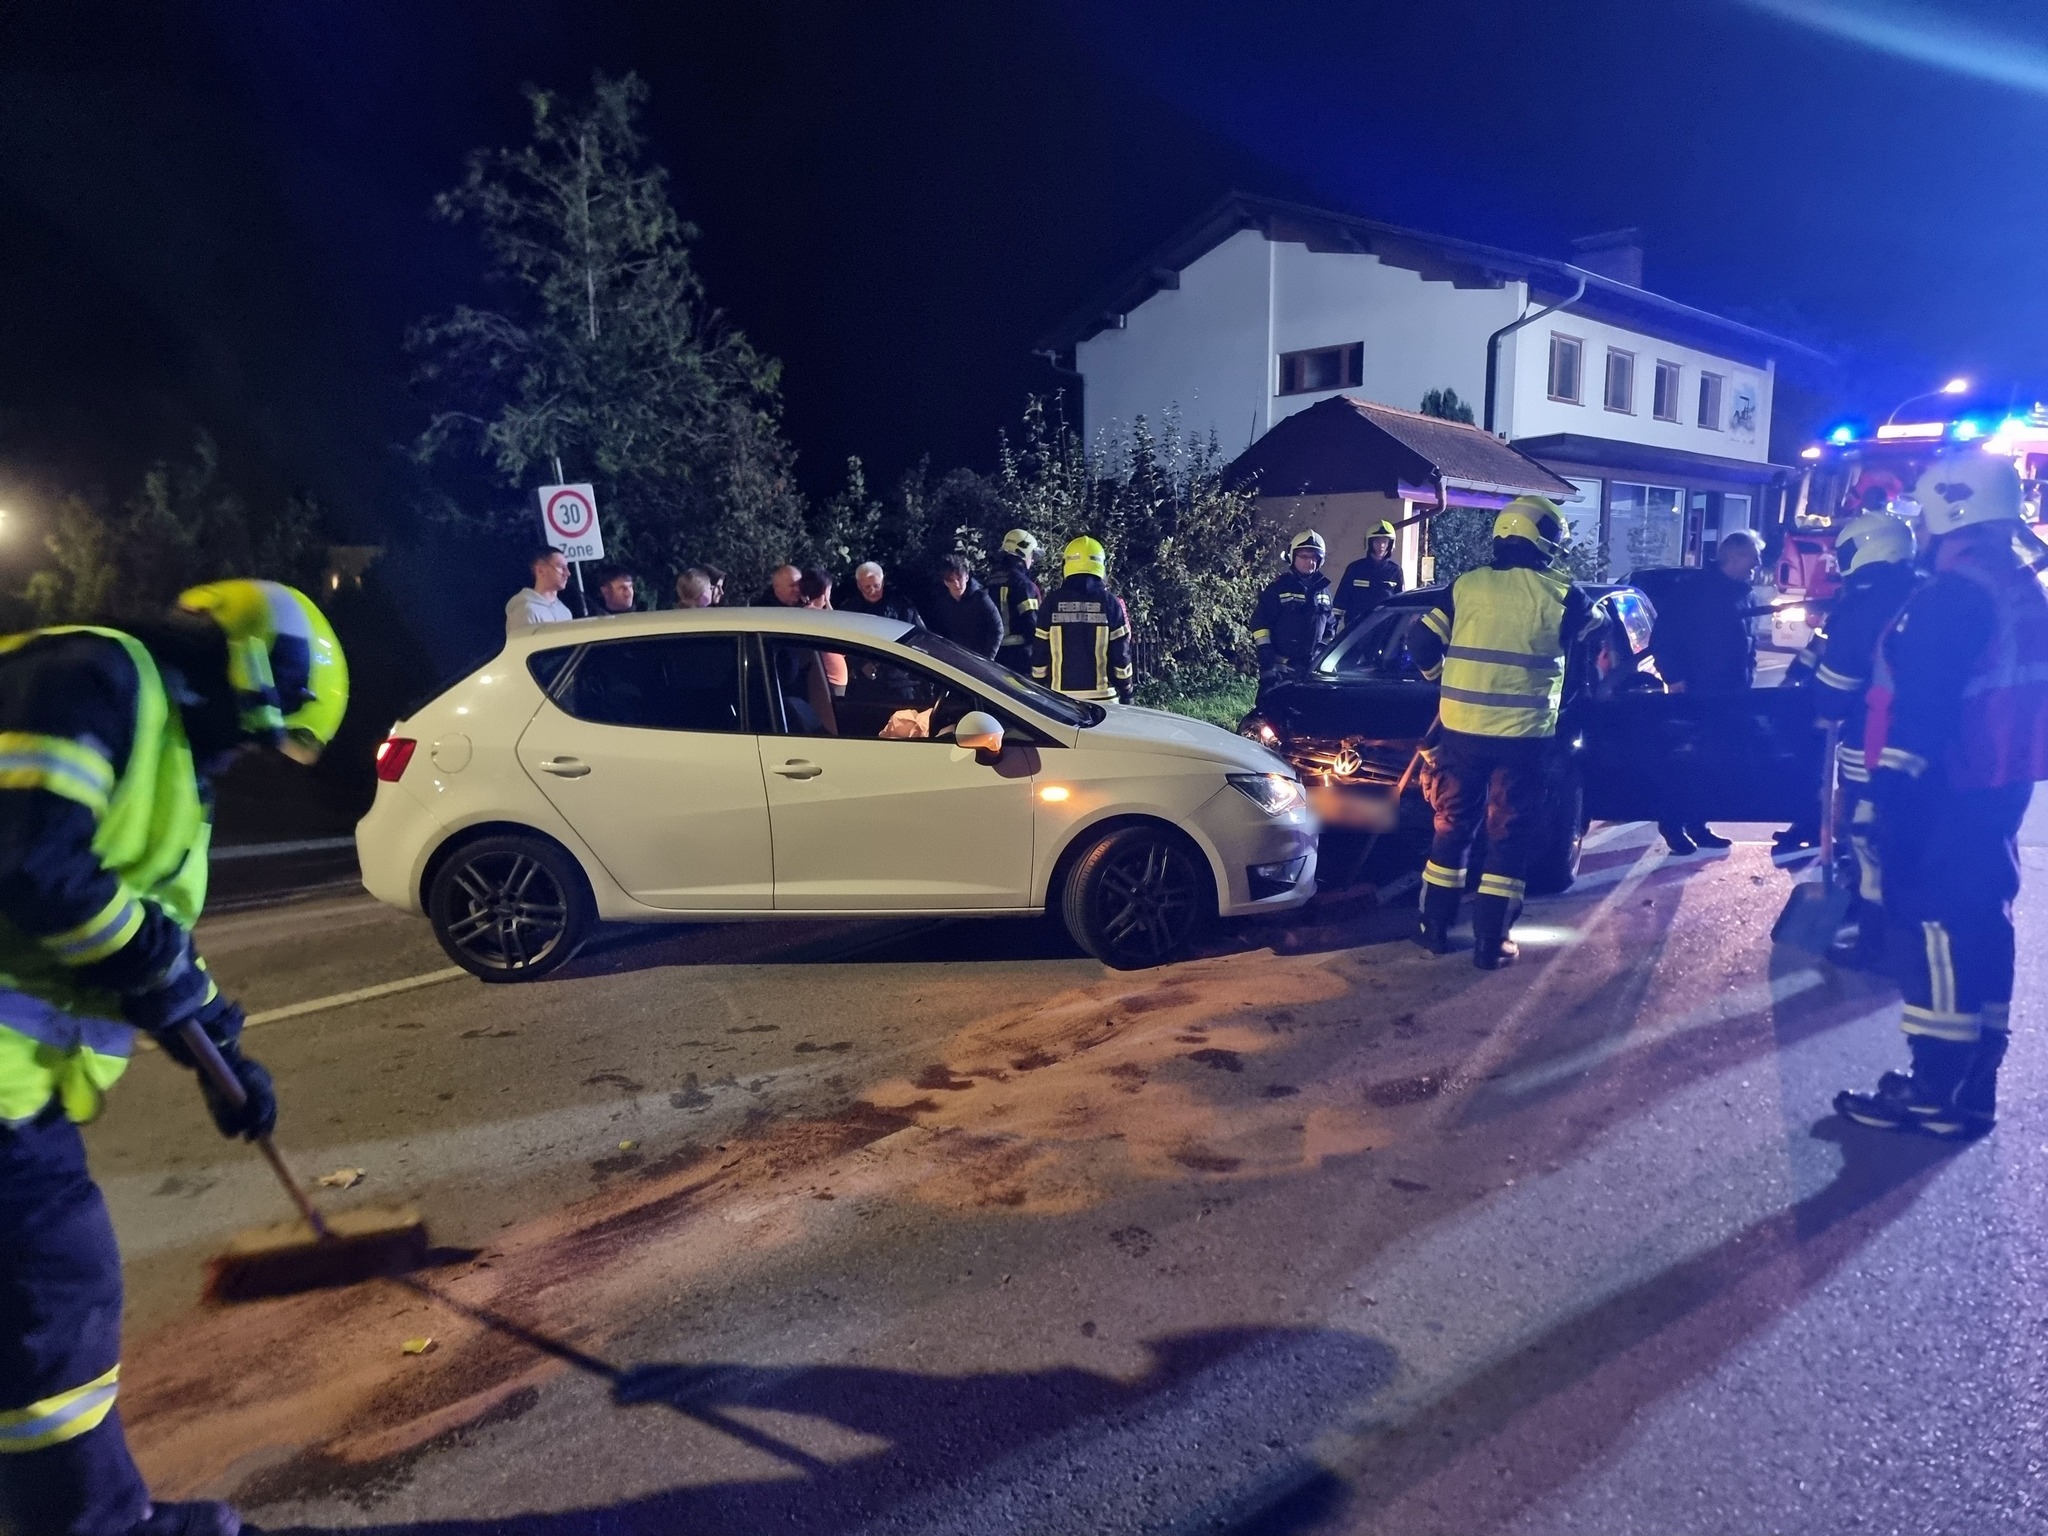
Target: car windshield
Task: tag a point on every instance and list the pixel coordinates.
(1377, 649)
(1003, 682)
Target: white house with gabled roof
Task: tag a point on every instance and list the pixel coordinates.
(1656, 412)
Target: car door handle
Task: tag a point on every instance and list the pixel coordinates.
(797, 768)
(565, 767)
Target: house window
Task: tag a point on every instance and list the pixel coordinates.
(1665, 399)
(1645, 526)
(1621, 380)
(1321, 368)
(1710, 401)
(1564, 367)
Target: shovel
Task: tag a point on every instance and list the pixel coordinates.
(1813, 917)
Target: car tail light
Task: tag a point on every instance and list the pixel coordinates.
(393, 753)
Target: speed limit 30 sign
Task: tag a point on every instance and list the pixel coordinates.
(568, 514)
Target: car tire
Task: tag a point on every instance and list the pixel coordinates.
(510, 907)
(1555, 862)
(1139, 896)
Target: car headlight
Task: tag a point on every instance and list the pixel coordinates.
(1259, 729)
(1274, 793)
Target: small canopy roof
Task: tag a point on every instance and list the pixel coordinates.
(1345, 445)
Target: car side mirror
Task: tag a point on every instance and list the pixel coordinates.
(982, 732)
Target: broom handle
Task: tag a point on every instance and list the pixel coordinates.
(1827, 805)
(230, 1088)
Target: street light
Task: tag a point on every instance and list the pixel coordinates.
(1956, 386)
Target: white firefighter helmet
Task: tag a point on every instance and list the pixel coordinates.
(1874, 538)
(1307, 539)
(1964, 486)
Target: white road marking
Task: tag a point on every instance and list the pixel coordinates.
(360, 995)
(336, 1000)
(268, 850)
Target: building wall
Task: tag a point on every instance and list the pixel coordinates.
(1208, 351)
(1528, 410)
(1417, 335)
(1201, 349)
(1209, 348)
(1342, 521)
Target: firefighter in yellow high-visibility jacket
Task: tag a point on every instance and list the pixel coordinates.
(1495, 643)
(109, 739)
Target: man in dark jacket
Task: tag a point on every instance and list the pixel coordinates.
(1369, 582)
(1017, 597)
(966, 614)
(1704, 644)
(873, 594)
(1291, 619)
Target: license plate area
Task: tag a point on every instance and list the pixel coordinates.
(1356, 810)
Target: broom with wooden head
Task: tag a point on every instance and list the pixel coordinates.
(314, 1251)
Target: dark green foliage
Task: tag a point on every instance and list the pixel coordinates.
(1187, 555)
(1463, 540)
(184, 525)
(606, 354)
(1446, 404)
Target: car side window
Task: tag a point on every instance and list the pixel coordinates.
(881, 699)
(668, 683)
(1637, 617)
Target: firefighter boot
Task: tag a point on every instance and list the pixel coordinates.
(201, 1517)
(1923, 1098)
(1491, 918)
(1977, 1099)
(1439, 911)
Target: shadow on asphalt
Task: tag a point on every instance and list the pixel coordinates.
(1222, 1422)
(1556, 1408)
(1224, 1428)
(1333, 920)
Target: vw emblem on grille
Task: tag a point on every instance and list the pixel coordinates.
(1346, 763)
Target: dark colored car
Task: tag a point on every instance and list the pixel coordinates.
(1626, 749)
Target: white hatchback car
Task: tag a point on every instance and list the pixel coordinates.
(733, 763)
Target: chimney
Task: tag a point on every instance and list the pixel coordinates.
(1617, 254)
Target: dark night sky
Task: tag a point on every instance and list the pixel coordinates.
(217, 210)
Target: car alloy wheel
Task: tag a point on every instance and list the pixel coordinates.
(507, 908)
(1138, 898)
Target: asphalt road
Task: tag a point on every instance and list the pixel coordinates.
(944, 1228)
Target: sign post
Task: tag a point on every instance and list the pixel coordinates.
(568, 516)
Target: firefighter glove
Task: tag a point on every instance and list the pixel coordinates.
(256, 1115)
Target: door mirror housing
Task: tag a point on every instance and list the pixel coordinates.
(982, 732)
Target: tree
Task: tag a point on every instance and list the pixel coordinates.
(1445, 403)
(184, 525)
(606, 353)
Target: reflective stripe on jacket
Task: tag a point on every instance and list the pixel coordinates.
(150, 832)
(55, 1419)
(1503, 668)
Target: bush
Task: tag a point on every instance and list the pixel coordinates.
(1185, 554)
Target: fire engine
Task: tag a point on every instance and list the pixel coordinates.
(1859, 469)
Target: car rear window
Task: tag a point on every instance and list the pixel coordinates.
(669, 683)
